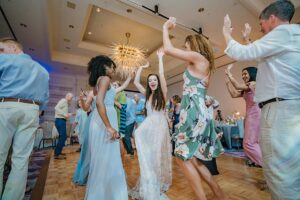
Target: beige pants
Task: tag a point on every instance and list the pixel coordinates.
(18, 123)
(280, 144)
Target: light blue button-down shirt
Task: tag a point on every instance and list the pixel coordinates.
(130, 111)
(21, 77)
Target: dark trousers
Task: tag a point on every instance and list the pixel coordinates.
(61, 127)
(127, 138)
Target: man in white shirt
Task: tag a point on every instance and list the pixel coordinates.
(61, 116)
(278, 94)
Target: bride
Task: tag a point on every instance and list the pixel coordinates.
(152, 139)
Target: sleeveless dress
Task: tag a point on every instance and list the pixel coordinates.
(82, 169)
(106, 174)
(153, 146)
(252, 129)
(195, 133)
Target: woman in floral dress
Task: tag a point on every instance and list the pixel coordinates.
(195, 134)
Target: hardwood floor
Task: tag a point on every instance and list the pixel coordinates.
(236, 179)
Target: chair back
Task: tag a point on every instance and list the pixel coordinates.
(47, 127)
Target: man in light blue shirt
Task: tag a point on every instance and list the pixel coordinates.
(24, 90)
(130, 121)
(140, 109)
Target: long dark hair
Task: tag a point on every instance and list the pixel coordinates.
(252, 71)
(97, 67)
(158, 100)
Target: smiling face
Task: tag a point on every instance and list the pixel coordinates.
(153, 82)
(109, 71)
(245, 76)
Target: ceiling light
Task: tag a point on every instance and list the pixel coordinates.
(127, 58)
(129, 10)
(200, 9)
(71, 5)
(98, 9)
(89, 33)
(71, 26)
(23, 25)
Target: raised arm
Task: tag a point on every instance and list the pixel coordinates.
(103, 85)
(160, 54)
(169, 49)
(86, 105)
(137, 80)
(232, 91)
(124, 85)
(235, 84)
(246, 33)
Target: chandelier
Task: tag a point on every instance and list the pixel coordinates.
(127, 57)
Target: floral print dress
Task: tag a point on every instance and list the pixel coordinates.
(195, 133)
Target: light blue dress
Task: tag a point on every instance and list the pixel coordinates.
(82, 169)
(106, 179)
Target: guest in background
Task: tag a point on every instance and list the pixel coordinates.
(61, 117)
(175, 117)
(120, 105)
(251, 142)
(24, 90)
(140, 110)
(88, 104)
(80, 120)
(130, 122)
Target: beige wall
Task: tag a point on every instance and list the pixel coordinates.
(218, 89)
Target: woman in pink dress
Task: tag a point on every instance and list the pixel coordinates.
(252, 134)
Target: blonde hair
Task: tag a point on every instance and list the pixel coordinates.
(7, 40)
(200, 44)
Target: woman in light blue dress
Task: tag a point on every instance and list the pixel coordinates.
(82, 169)
(106, 179)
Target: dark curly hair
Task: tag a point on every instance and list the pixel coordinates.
(96, 68)
(158, 100)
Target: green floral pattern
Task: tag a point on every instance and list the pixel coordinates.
(195, 133)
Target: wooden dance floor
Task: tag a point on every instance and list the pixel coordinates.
(236, 179)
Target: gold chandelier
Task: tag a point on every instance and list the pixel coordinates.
(127, 58)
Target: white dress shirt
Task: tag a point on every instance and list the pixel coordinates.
(278, 56)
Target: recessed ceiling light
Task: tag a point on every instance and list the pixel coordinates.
(71, 26)
(23, 25)
(71, 5)
(200, 9)
(129, 10)
(98, 9)
(89, 33)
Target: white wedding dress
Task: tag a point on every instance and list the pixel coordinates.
(153, 145)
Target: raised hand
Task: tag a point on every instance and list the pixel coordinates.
(160, 52)
(171, 23)
(227, 71)
(227, 28)
(246, 32)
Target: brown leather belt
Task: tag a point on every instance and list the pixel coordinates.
(18, 100)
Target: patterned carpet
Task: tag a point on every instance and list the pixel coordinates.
(235, 153)
(36, 163)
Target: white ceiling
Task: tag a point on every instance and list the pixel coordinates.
(49, 38)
